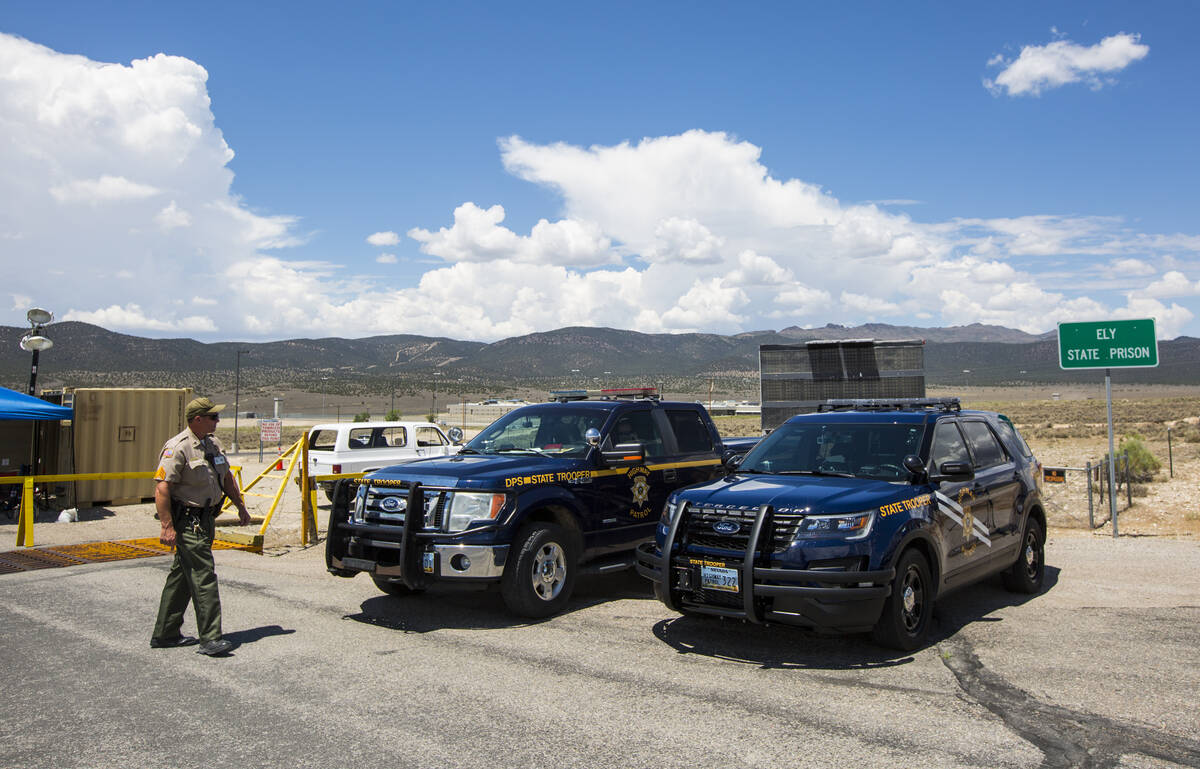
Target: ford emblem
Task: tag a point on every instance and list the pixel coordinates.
(727, 527)
(391, 504)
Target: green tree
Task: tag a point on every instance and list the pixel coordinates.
(1142, 464)
(393, 415)
(362, 417)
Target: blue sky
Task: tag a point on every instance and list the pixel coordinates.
(481, 170)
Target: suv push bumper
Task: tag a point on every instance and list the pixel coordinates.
(844, 601)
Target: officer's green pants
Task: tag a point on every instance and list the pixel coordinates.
(193, 577)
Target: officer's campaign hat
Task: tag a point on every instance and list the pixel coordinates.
(202, 407)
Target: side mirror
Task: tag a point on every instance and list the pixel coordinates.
(913, 464)
(591, 436)
(954, 471)
(732, 462)
(456, 435)
(624, 455)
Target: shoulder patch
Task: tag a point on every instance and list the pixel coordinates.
(168, 453)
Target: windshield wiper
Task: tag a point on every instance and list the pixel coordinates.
(823, 473)
(530, 450)
(467, 450)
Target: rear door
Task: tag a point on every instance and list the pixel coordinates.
(696, 459)
(996, 474)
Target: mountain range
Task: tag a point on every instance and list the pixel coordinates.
(977, 354)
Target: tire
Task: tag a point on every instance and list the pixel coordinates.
(330, 491)
(1028, 572)
(908, 611)
(539, 580)
(394, 588)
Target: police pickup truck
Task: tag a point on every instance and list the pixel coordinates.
(856, 518)
(538, 494)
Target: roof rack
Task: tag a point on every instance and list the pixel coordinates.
(607, 394)
(890, 404)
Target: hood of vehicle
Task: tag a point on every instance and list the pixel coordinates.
(812, 495)
(492, 471)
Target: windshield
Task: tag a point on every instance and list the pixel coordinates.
(854, 449)
(547, 430)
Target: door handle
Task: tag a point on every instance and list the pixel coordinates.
(669, 475)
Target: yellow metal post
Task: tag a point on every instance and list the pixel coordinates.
(25, 525)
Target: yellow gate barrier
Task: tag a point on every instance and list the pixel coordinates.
(298, 453)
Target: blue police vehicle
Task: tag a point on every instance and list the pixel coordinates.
(856, 518)
(542, 492)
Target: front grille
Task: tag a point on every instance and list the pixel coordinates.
(701, 520)
(388, 506)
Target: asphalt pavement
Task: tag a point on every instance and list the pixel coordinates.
(1100, 670)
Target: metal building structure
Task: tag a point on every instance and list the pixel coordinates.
(797, 378)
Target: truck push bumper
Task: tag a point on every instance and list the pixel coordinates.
(406, 554)
(845, 601)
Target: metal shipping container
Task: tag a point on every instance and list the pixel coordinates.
(797, 378)
(122, 430)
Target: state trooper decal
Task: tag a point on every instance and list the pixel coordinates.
(959, 511)
(640, 477)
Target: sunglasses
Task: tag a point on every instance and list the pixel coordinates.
(213, 417)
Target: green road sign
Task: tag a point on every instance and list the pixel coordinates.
(1108, 344)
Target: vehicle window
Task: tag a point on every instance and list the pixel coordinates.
(638, 427)
(322, 440)
(539, 430)
(948, 446)
(367, 438)
(691, 431)
(430, 436)
(396, 437)
(859, 449)
(1013, 438)
(984, 445)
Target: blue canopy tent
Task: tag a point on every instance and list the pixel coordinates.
(15, 405)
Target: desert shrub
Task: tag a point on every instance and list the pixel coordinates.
(362, 416)
(1142, 464)
(393, 415)
(1187, 433)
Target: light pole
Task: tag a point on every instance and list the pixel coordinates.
(324, 379)
(237, 392)
(34, 342)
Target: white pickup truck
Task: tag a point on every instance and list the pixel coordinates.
(357, 447)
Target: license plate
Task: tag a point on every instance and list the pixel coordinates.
(717, 578)
(361, 564)
(427, 562)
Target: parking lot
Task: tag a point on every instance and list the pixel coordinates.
(1098, 670)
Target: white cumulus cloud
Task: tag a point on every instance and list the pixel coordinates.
(387, 238)
(1040, 68)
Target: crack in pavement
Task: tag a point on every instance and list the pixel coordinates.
(1067, 738)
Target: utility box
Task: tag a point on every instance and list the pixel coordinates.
(122, 430)
(797, 378)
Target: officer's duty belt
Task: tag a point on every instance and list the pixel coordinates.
(180, 507)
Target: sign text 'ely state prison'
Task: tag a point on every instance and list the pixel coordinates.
(1107, 344)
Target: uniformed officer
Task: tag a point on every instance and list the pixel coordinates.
(193, 478)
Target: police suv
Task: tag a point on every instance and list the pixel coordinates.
(856, 518)
(538, 494)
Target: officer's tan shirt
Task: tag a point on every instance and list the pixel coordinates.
(183, 465)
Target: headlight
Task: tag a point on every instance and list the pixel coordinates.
(669, 510)
(849, 527)
(359, 506)
(466, 507)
